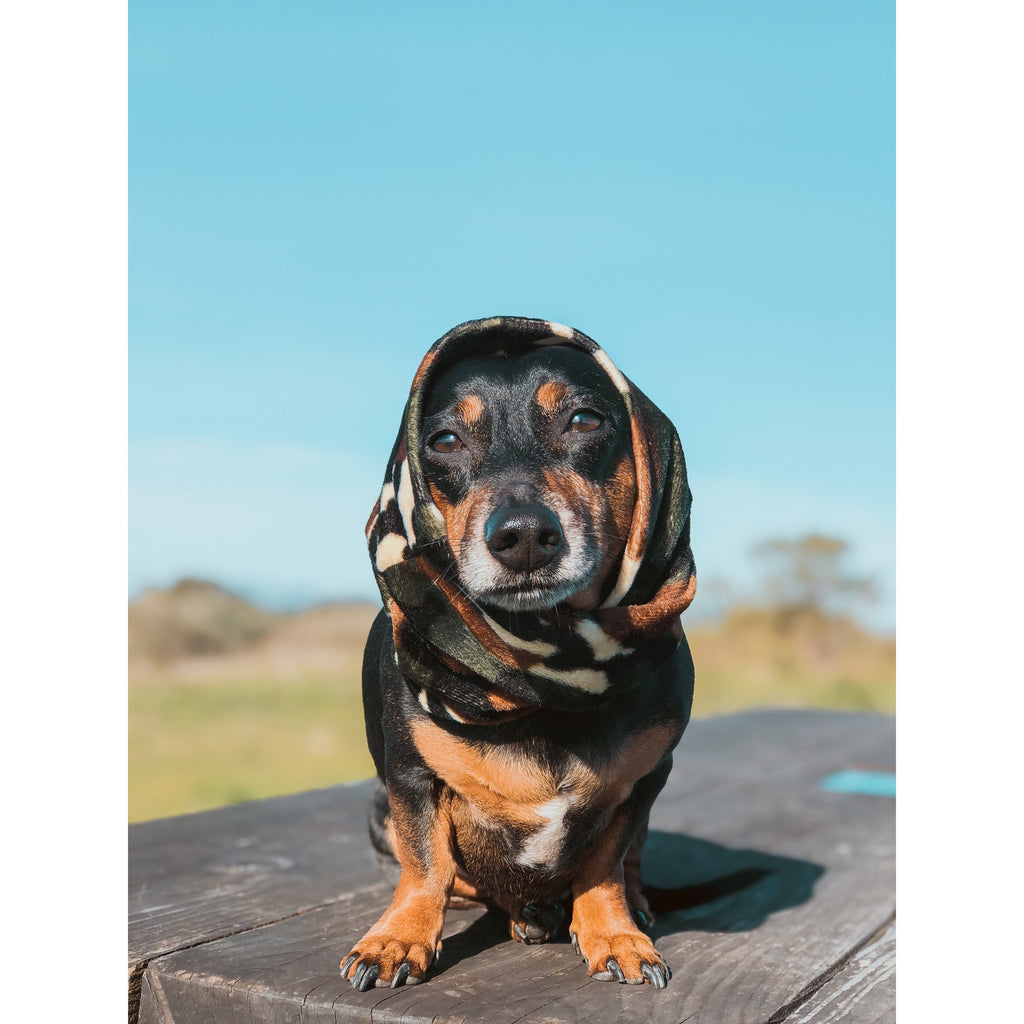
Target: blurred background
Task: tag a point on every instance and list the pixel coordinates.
(318, 191)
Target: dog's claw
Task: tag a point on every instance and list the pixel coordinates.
(654, 975)
(575, 943)
(616, 970)
(519, 931)
(401, 974)
(347, 964)
(365, 977)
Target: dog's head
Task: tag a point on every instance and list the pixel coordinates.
(530, 476)
(529, 459)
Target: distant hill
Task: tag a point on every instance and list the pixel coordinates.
(199, 628)
(194, 617)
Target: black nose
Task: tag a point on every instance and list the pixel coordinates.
(524, 537)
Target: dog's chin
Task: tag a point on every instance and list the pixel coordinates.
(530, 595)
(537, 599)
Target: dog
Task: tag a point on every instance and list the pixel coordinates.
(528, 678)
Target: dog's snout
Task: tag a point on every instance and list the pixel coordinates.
(524, 537)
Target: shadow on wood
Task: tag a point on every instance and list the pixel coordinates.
(696, 885)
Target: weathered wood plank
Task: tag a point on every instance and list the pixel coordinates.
(863, 992)
(799, 878)
(202, 875)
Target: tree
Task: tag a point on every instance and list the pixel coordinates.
(807, 574)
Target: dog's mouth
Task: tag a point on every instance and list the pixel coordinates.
(531, 595)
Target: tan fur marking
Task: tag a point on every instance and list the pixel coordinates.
(503, 785)
(508, 786)
(550, 396)
(632, 882)
(470, 409)
(444, 506)
(464, 893)
(456, 518)
(575, 489)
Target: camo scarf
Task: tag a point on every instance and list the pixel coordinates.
(478, 666)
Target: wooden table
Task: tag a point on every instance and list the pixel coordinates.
(783, 893)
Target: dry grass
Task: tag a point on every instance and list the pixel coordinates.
(757, 657)
(325, 640)
(228, 702)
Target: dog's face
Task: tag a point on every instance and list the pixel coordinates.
(529, 458)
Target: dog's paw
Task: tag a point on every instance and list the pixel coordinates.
(536, 922)
(388, 962)
(628, 958)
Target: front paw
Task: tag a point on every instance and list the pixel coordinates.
(386, 961)
(628, 957)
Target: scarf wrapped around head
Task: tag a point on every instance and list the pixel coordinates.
(478, 665)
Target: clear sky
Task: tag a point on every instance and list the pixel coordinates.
(317, 191)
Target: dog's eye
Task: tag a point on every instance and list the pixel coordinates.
(446, 442)
(584, 421)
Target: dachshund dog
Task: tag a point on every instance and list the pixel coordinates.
(528, 678)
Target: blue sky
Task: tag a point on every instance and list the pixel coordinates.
(317, 191)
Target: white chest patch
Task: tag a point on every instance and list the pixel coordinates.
(545, 845)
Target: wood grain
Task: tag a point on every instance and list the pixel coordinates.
(863, 992)
(196, 877)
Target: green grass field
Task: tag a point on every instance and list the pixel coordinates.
(194, 746)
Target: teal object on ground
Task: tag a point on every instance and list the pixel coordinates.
(853, 781)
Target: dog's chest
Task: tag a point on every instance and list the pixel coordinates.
(534, 808)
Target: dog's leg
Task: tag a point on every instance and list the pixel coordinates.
(638, 905)
(400, 947)
(602, 930)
